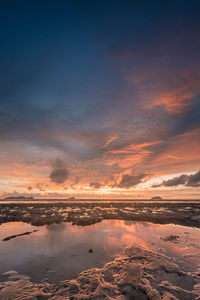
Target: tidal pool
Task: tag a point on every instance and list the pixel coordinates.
(60, 251)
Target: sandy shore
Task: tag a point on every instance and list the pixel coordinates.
(137, 274)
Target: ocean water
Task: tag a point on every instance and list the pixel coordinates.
(187, 201)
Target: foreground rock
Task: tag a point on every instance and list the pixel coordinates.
(138, 274)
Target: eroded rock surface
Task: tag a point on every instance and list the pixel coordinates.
(84, 214)
(137, 274)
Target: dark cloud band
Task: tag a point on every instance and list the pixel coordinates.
(187, 180)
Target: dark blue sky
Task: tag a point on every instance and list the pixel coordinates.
(85, 82)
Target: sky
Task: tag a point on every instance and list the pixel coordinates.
(100, 99)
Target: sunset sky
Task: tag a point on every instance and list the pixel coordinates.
(100, 99)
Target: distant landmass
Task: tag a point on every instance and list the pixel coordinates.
(18, 198)
(71, 198)
(156, 198)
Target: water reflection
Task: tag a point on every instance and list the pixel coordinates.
(60, 251)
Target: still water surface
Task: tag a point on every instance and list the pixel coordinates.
(60, 251)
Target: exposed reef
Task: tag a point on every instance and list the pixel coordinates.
(83, 214)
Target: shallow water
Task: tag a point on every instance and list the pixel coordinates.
(60, 251)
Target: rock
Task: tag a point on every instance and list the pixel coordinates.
(91, 250)
(138, 274)
(171, 238)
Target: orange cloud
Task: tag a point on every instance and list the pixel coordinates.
(133, 148)
(129, 155)
(176, 95)
(181, 156)
(109, 141)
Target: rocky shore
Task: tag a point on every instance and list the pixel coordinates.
(137, 274)
(83, 214)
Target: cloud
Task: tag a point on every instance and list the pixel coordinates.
(109, 141)
(128, 181)
(178, 93)
(95, 185)
(59, 174)
(174, 181)
(194, 180)
(187, 180)
(175, 88)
